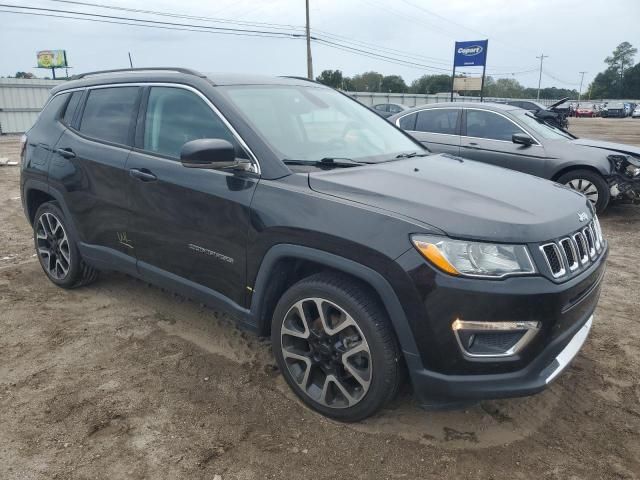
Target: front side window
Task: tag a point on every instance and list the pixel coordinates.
(109, 113)
(484, 124)
(176, 116)
(309, 123)
(438, 120)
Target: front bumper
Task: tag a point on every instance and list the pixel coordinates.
(442, 374)
(433, 389)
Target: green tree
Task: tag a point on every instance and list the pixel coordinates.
(331, 78)
(622, 56)
(367, 82)
(504, 87)
(431, 84)
(631, 82)
(24, 75)
(394, 84)
(606, 84)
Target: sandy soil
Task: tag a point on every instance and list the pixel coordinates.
(124, 381)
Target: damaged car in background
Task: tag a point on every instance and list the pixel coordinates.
(515, 138)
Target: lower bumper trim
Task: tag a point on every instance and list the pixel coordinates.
(570, 351)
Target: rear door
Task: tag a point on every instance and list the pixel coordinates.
(486, 137)
(436, 128)
(89, 169)
(190, 225)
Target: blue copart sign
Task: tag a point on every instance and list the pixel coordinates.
(470, 54)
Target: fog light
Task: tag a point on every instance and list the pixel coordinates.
(493, 339)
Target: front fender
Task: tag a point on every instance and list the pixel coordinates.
(374, 279)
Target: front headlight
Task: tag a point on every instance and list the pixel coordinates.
(474, 259)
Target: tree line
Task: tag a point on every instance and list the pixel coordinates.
(620, 80)
(431, 84)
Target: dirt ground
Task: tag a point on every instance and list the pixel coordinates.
(124, 381)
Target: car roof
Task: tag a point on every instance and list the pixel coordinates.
(497, 107)
(177, 74)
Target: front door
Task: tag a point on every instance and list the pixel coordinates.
(189, 225)
(487, 138)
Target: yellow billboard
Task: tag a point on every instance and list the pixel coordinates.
(52, 59)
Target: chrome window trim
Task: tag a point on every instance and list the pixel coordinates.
(397, 123)
(555, 246)
(537, 144)
(215, 110)
(531, 329)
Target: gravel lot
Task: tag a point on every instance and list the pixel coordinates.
(124, 381)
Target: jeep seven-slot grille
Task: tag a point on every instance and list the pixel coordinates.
(578, 249)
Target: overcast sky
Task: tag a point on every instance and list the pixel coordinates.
(576, 34)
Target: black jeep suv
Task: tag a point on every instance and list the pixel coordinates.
(317, 222)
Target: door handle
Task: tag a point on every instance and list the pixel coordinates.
(142, 174)
(65, 152)
(472, 145)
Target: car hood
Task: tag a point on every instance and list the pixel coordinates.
(462, 198)
(611, 146)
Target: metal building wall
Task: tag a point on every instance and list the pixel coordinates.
(21, 99)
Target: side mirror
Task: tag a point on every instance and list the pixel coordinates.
(211, 153)
(522, 139)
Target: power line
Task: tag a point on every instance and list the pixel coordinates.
(96, 20)
(278, 26)
(178, 15)
(541, 57)
(155, 22)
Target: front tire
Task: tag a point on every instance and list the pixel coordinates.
(590, 184)
(335, 347)
(57, 250)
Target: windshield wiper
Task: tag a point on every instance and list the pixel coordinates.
(327, 162)
(412, 155)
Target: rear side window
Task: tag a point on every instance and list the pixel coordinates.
(483, 124)
(53, 107)
(108, 114)
(176, 116)
(438, 120)
(408, 122)
(67, 118)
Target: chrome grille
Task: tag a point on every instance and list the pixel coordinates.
(567, 255)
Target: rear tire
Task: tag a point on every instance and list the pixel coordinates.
(589, 183)
(57, 250)
(344, 363)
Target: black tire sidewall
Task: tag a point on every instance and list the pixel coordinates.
(380, 386)
(74, 256)
(604, 195)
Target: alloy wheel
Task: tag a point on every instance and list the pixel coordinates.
(585, 187)
(53, 246)
(326, 353)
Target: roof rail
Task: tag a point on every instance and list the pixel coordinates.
(187, 71)
(300, 78)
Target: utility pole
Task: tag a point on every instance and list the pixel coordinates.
(581, 80)
(309, 62)
(130, 61)
(541, 57)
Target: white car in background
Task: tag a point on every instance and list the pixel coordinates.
(636, 112)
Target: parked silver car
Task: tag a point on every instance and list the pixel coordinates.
(514, 138)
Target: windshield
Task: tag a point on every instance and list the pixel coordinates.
(311, 123)
(540, 128)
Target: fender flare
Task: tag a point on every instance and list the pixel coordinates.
(376, 281)
(32, 184)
